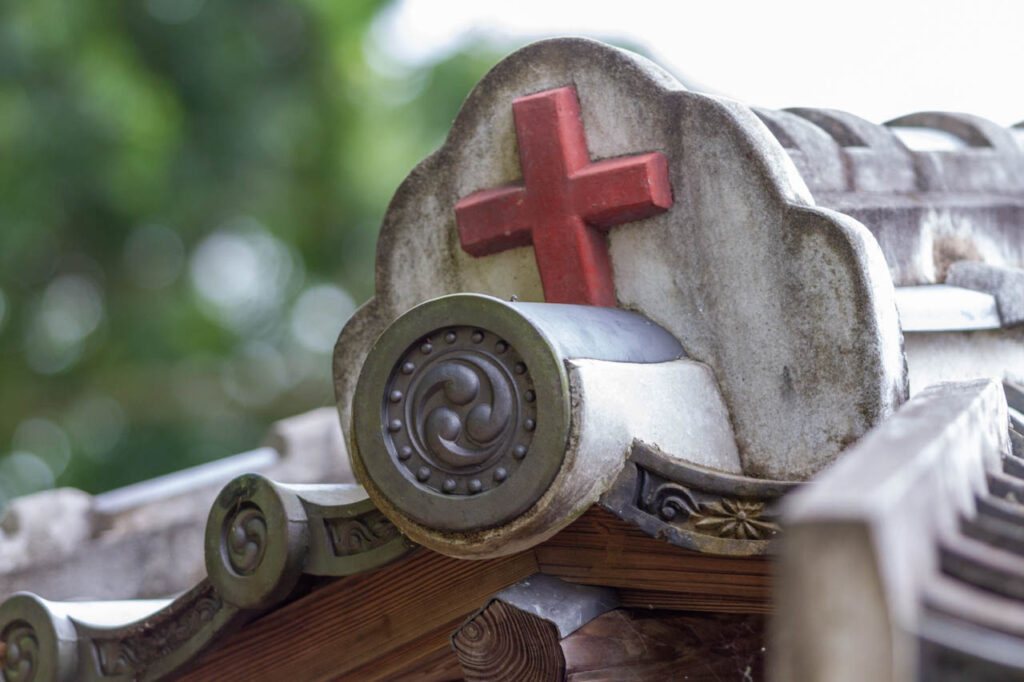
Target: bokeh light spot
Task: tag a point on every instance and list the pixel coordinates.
(96, 424)
(70, 309)
(256, 375)
(242, 274)
(318, 316)
(45, 440)
(22, 473)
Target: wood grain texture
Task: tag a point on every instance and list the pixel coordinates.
(394, 623)
(687, 601)
(356, 621)
(505, 644)
(429, 658)
(601, 549)
(627, 644)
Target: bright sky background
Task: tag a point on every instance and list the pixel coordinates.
(873, 58)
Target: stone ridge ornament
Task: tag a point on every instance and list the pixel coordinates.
(730, 254)
(694, 507)
(566, 202)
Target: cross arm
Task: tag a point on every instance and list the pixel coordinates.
(615, 191)
(493, 220)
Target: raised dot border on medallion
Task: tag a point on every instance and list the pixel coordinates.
(403, 427)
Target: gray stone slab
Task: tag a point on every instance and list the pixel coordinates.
(1005, 284)
(962, 355)
(941, 307)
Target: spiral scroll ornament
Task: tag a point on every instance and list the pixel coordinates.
(459, 411)
(245, 539)
(21, 655)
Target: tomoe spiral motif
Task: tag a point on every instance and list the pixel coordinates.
(460, 381)
(22, 652)
(245, 539)
(459, 411)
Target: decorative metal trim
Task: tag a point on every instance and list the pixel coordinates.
(695, 507)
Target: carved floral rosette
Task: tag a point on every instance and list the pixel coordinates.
(694, 507)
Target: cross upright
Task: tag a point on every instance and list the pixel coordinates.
(566, 203)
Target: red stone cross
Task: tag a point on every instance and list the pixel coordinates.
(566, 203)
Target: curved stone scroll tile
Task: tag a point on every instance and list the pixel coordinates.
(262, 538)
(817, 155)
(694, 507)
(974, 130)
(742, 222)
(116, 641)
(878, 161)
(990, 162)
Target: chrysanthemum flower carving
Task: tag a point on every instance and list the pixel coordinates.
(736, 519)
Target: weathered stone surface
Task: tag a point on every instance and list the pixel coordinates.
(963, 356)
(147, 540)
(863, 542)
(1006, 284)
(52, 523)
(790, 305)
(928, 205)
(876, 160)
(989, 160)
(942, 308)
(482, 427)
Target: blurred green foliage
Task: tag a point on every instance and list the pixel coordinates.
(189, 198)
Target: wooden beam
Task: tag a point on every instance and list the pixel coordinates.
(356, 621)
(428, 658)
(601, 549)
(627, 644)
(503, 643)
(395, 621)
(651, 600)
(548, 630)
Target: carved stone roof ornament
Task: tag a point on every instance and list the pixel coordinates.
(463, 419)
(565, 201)
(708, 267)
(615, 322)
